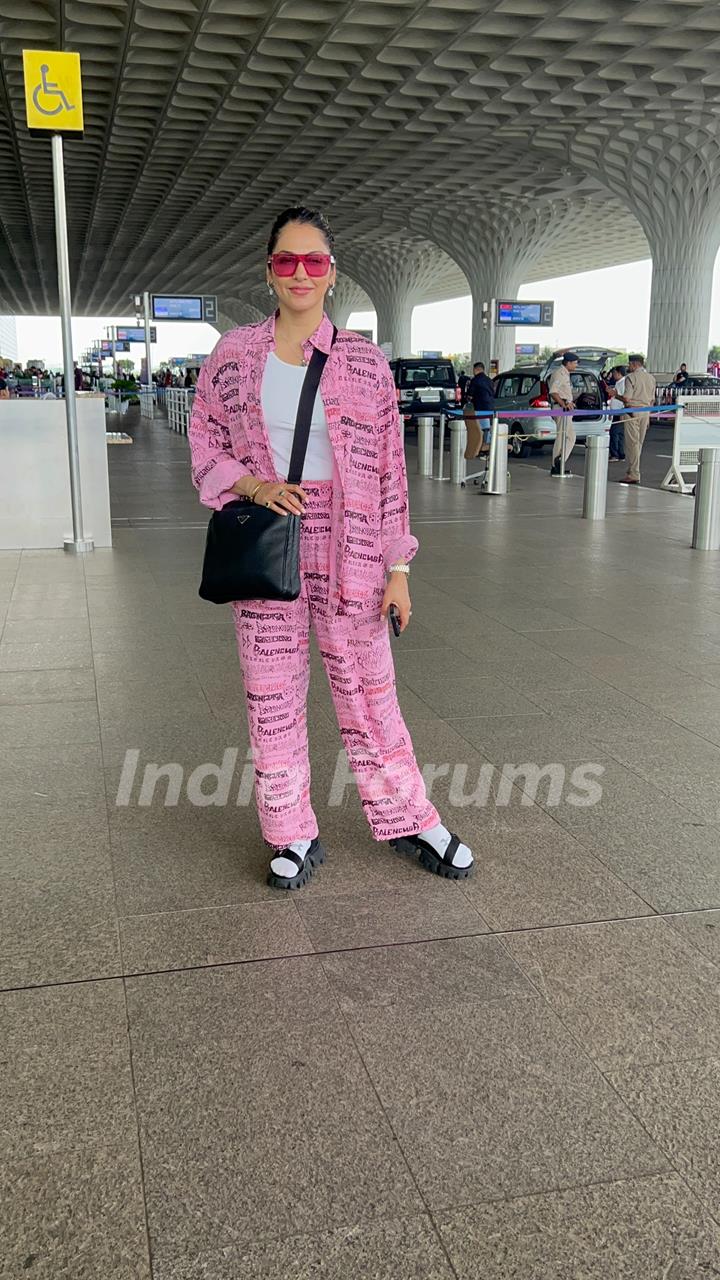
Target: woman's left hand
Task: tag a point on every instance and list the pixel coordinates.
(397, 593)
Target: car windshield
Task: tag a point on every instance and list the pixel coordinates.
(434, 375)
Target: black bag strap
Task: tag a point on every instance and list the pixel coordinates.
(310, 385)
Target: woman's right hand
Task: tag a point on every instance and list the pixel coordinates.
(282, 498)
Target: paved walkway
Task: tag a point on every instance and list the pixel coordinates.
(386, 1075)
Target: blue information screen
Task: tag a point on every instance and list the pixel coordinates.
(130, 335)
(171, 307)
(519, 313)
(514, 312)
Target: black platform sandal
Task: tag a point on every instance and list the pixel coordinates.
(416, 847)
(306, 866)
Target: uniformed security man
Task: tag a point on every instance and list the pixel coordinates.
(561, 397)
(639, 389)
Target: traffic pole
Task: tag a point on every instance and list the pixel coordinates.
(78, 544)
(148, 358)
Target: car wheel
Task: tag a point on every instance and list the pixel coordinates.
(519, 448)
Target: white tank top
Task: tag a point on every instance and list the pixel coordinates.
(281, 387)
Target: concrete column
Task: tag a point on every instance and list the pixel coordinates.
(673, 188)
(394, 323)
(395, 273)
(348, 296)
(497, 245)
(484, 289)
(681, 300)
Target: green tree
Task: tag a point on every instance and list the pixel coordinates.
(461, 361)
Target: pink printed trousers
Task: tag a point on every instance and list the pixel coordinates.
(273, 644)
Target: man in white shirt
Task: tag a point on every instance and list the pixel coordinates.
(561, 397)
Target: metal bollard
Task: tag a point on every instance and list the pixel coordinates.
(425, 446)
(441, 448)
(497, 459)
(597, 457)
(458, 444)
(706, 520)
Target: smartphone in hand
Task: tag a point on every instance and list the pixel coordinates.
(394, 617)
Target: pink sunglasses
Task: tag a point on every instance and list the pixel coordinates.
(315, 264)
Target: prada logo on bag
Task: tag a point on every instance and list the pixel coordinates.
(243, 519)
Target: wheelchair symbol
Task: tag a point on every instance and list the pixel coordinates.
(50, 90)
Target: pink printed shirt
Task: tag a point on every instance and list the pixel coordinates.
(370, 527)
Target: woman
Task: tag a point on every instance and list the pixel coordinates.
(354, 531)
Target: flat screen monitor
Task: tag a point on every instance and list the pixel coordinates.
(175, 307)
(525, 313)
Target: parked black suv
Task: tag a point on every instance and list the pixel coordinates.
(424, 386)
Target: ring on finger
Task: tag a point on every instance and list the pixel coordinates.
(281, 493)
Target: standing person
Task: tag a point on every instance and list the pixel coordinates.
(480, 388)
(481, 394)
(682, 376)
(616, 386)
(462, 383)
(355, 549)
(78, 378)
(561, 395)
(639, 389)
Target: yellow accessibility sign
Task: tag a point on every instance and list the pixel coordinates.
(53, 90)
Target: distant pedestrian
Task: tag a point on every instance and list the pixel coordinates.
(682, 376)
(616, 385)
(78, 378)
(639, 390)
(463, 381)
(562, 397)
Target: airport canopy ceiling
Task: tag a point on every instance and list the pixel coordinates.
(543, 132)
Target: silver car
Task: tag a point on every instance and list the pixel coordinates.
(527, 387)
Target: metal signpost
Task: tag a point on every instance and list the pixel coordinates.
(146, 401)
(53, 103)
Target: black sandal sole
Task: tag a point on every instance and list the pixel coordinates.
(314, 857)
(430, 860)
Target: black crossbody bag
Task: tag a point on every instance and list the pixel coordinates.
(250, 552)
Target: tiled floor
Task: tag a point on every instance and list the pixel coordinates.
(386, 1075)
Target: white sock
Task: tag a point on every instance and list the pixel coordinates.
(284, 867)
(439, 837)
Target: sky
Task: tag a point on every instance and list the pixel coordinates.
(595, 308)
(39, 338)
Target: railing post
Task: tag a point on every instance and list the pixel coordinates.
(425, 446)
(441, 448)
(497, 459)
(706, 519)
(458, 444)
(597, 456)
